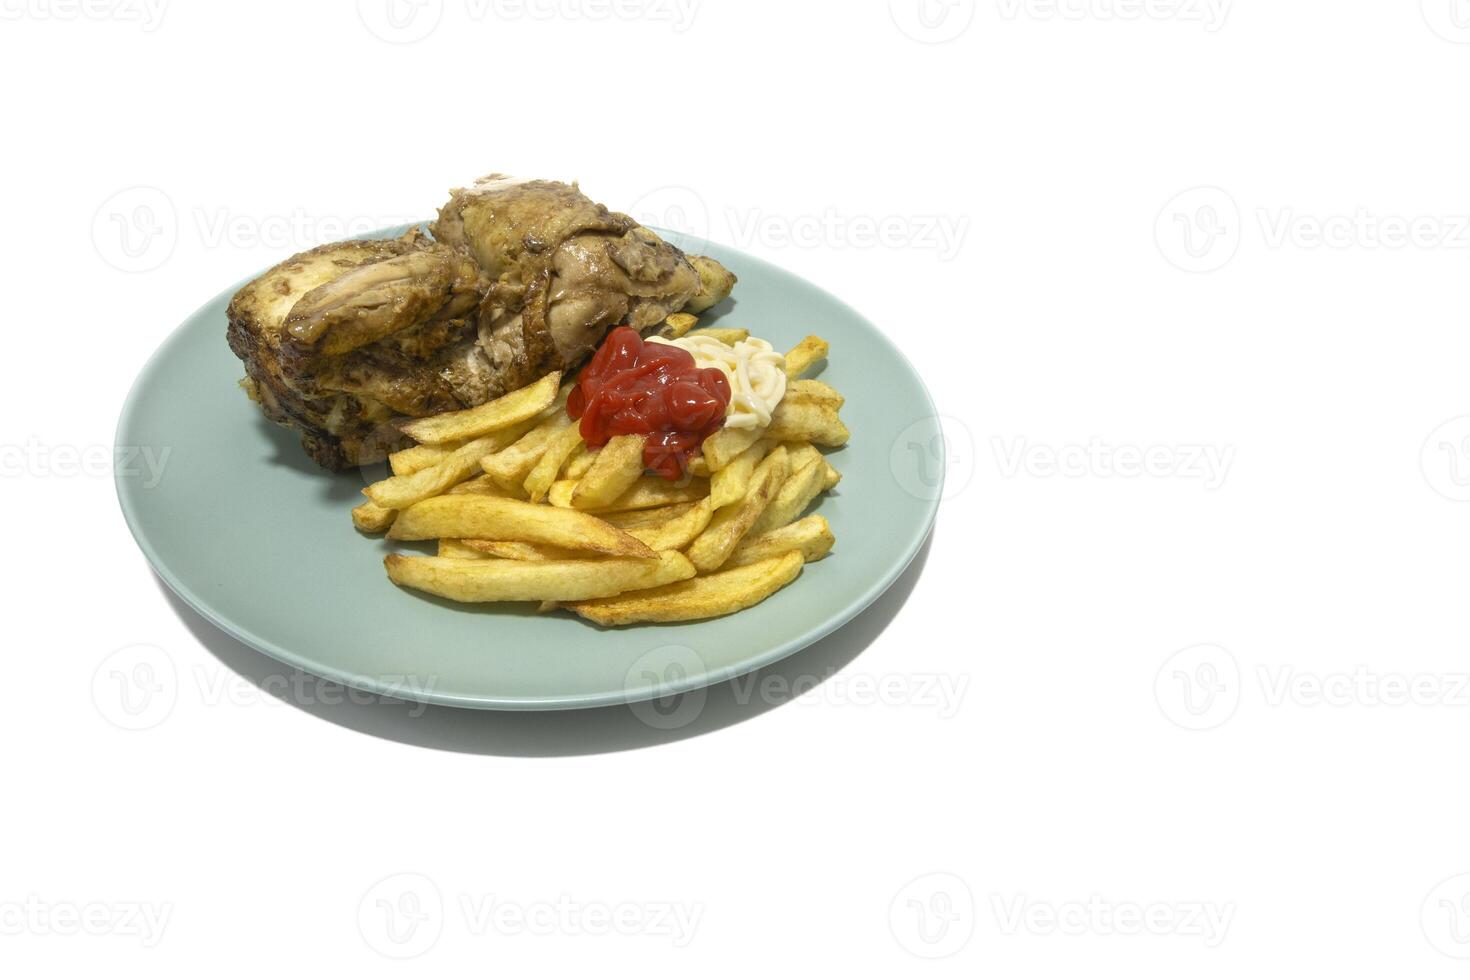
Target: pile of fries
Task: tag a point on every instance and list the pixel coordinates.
(523, 510)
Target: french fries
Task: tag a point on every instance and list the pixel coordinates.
(810, 536)
(729, 524)
(695, 598)
(800, 358)
(502, 580)
(522, 509)
(617, 467)
(473, 515)
(472, 423)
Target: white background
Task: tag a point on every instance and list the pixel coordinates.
(1011, 190)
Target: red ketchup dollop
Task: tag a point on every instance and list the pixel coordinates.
(631, 387)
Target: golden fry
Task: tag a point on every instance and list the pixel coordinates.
(676, 533)
(398, 492)
(473, 515)
(580, 462)
(628, 519)
(618, 466)
(678, 324)
(800, 358)
(729, 482)
(648, 491)
(797, 421)
(500, 580)
(543, 474)
(407, 462)
(369, 518)
(721, 448)
(510, 465)
(811, 536)
(523, 551)
(799, 490)
(725, 335)
(452, 548)
(819, 392)
(697, 598)
(729, 524)
(518, 406)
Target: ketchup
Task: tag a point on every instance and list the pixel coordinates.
(632, 387)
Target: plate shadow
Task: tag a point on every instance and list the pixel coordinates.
(586, 731)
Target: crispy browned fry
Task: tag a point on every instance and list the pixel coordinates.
(525, 403)
(618, 466)
(697, 598)
(810, 390)
(369, 518)
(473, 515)
(800, 358)
(795, 495)
(511, 464)
(676, 533)
(811, 536)
(652, 515)
(729, 524)
(648, 491)
(721, 448)
(398, 492)
(678, 324)
(729, 482)
(523, 551)
(725, 335)
(543, 474)
(500, 580)
(798, 421)
(580, 462)
(407, 462)
(451, 548)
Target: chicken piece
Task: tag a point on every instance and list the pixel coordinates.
(565, 269)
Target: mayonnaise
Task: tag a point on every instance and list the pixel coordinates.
(756, 372)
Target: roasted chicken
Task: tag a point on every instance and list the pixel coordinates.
(520, 278)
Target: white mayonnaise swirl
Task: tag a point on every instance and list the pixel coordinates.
(756, 372)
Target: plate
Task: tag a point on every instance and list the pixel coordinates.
(252, 534)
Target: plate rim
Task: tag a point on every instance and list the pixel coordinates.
(708, 678)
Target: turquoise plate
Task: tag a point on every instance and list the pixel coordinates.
(253, 535)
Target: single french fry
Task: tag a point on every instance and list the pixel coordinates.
(729, 482)
(801, 454)
(618, 466)
(729, 524)
(810, 390)
(676, 533)
(678, 324)
(523, 551)
(518, 406)
(648, 491)
(800, 358)
(398, 492)
(627, 519)
(797, 421)
(834, 477)
(697, 598)
(474, 515)
(792, 500)
(481, 484)
(722, 447)
(725, 335)
(500, 580)
(811, 536)
(543, 474)
(580, 462)
(511, 464)
(452, 548)
(407, 462)
(369, 518)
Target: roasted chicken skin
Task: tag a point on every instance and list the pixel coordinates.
(522, 277)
